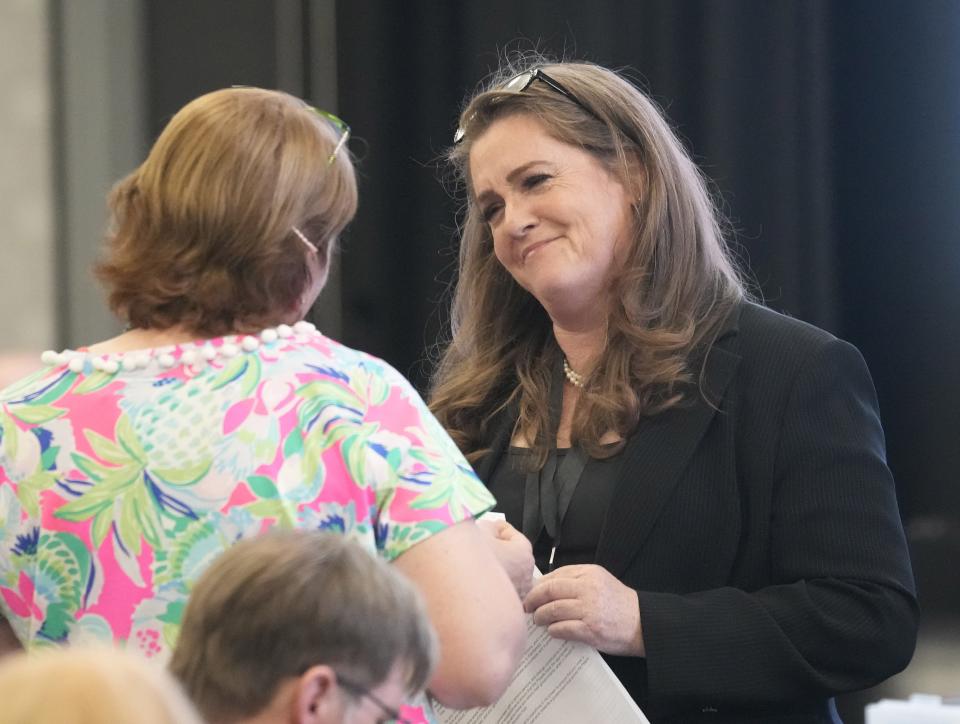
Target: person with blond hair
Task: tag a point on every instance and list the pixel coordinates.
(128, 466)
(703, 479)
(89, 686)
(305, 627)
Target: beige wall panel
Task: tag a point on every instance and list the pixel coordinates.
(27, 297)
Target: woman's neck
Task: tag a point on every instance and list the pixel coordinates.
(581, 346)
(581, 332)
(136, 339)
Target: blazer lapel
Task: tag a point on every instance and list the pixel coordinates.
(503, 426)
(656, 455)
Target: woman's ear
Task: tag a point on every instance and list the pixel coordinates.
(318, 265)
(318, 699)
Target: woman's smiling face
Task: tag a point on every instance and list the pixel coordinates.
(559, 219)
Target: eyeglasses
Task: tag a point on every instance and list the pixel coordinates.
(391, 714)
(303, 237)
(339, 125)
(520, 82)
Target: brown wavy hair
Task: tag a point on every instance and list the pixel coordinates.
(676, 288)
(272, 606)
(201, 233)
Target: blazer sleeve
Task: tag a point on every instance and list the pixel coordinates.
(840, 613)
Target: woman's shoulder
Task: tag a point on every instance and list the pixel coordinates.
(760, 326)
(27, 385)
(326, 355)
(770, 339)
(774, 348)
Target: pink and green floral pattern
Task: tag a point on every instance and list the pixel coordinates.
(118, 488)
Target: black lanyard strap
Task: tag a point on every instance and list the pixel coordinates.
(557, 490)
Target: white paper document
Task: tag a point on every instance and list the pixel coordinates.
(560, 682)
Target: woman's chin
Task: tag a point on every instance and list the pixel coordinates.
(569, 303)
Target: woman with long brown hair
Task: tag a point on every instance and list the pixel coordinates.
(703, 480)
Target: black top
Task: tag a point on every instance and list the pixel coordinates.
(760, 530)
(581, 526)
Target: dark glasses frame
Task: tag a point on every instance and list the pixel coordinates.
(360, 692)
(339, 125)
(521, 81)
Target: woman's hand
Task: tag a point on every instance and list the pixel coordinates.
(586, 603)
(513, 550)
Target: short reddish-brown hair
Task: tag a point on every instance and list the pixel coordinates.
(202, 232)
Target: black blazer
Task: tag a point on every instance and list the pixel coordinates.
(761, 533)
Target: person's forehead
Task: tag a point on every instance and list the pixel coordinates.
(515, 132)
(511, 143)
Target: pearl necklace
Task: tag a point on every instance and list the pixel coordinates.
(191, 353)
(574, 378)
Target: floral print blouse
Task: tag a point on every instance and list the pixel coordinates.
(123, 477)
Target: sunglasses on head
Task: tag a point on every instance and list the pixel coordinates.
(520, 82)
(339, 125)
